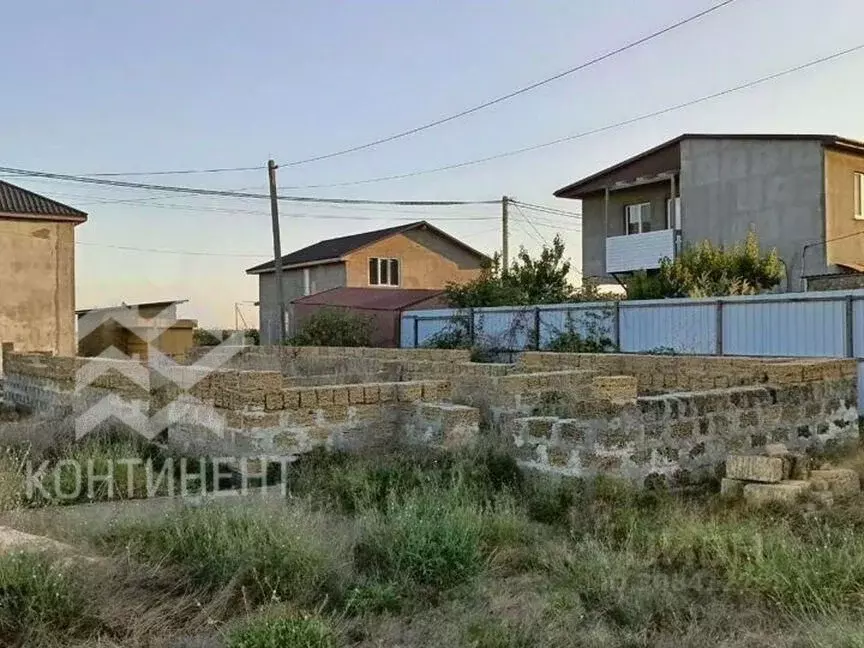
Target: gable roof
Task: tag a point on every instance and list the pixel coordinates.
(16, 201)
(587, 185)
(333, 250)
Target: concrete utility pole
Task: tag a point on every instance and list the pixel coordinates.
(277, 249)
(505, 235)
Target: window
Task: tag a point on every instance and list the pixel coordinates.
(383, 272)
(858, 194)
(637, 218)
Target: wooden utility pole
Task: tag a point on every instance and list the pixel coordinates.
(277, 249)
(505, 235)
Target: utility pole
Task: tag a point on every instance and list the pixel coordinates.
(505, 235)
(277, 249)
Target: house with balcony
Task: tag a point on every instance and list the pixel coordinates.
(801, 194)
(414, 256)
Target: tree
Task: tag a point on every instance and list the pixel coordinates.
(543, 280)
(706, 270)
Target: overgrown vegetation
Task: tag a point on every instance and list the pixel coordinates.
(334, 327)
(440, 549)
(708, 270)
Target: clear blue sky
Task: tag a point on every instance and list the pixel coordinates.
(97, 86)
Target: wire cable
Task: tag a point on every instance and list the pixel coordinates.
(528, 220)
(548, 210)
(594, 131)
(514, 93)
(234, 194)
(180, 172)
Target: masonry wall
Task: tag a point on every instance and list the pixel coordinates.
(682, 437)
(37, 299)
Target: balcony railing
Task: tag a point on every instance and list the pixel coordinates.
(639, 251)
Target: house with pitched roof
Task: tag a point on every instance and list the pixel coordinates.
(37, 271)
(416, 256)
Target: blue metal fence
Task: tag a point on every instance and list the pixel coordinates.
(816, 324)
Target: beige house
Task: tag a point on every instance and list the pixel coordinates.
(37, 271)
(416, 256)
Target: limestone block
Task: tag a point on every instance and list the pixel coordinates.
(340, 395)
(308, 397)
(273, 401)
(291, 398)
(800, 466)
(754, 468)
(409, 392)
(615, 388)
(732, 488)
(448, 425)
(787, 491)
(840, 481)
(776, 450)
(370, 394)
(356, 395)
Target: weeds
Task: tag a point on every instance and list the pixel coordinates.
(282, 633)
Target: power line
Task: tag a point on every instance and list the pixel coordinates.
(163, 251)
(235, 194)
(528, 220)
(180, 172)
(594, 131)
(515, 93)
(549, 210)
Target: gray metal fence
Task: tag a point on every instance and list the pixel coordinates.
(816, 324)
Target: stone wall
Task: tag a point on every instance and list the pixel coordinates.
(687, 434)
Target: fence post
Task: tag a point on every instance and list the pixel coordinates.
(718, 350)
(536, 328)
(416, 332)
(849, 343)
(471, 326)
(616, 325)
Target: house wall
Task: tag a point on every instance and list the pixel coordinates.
(426, 261)
(844, 235)
(37, 285)
(322, 277)
(595, 229)
(774, 187)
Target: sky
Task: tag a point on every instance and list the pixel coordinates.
(119, 87)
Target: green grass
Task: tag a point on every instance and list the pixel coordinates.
(283, 633)
(40, 601)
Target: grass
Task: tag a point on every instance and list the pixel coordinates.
(431, 550)
(40, 598)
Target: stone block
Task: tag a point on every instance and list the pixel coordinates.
(340, 395)
(370, 394)
(324, 395)
(800, 466)
(840, 481)
(409, 392)
(538, 427)
(787, 492)
(291, 398)
(732, 488)
(387, 392)
(754, 468)
(273, 401)
(308, 397)
(356, 395)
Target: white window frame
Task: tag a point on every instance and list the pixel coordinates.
(858, 194)
(642, 207)
(385, 263)
(673, 220)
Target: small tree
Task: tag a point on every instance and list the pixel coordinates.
(706, 270)
(334, 327)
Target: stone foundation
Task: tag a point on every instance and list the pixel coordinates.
(630, 416)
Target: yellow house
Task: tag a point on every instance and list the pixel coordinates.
(37, 271)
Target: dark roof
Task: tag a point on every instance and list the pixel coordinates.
(15, 200)
(332, 250)
(369, 298)
(165, 304)
(830, 141)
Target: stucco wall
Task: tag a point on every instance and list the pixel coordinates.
(595, 229)
(323, 277)
(426, 261)
(37, 285)
(844, 234)
(774, 187)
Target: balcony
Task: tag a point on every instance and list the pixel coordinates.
(639, 251)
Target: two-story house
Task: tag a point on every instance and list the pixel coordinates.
(37, 271)
(801, 194)
(416, 255)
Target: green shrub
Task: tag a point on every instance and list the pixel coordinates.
(430, 539)
(334, 327)
(40, 599)
(283, 633)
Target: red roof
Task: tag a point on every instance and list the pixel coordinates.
(387, 299)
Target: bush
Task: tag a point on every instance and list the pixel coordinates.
(283, 633)
(40, 600)
(334, 327)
